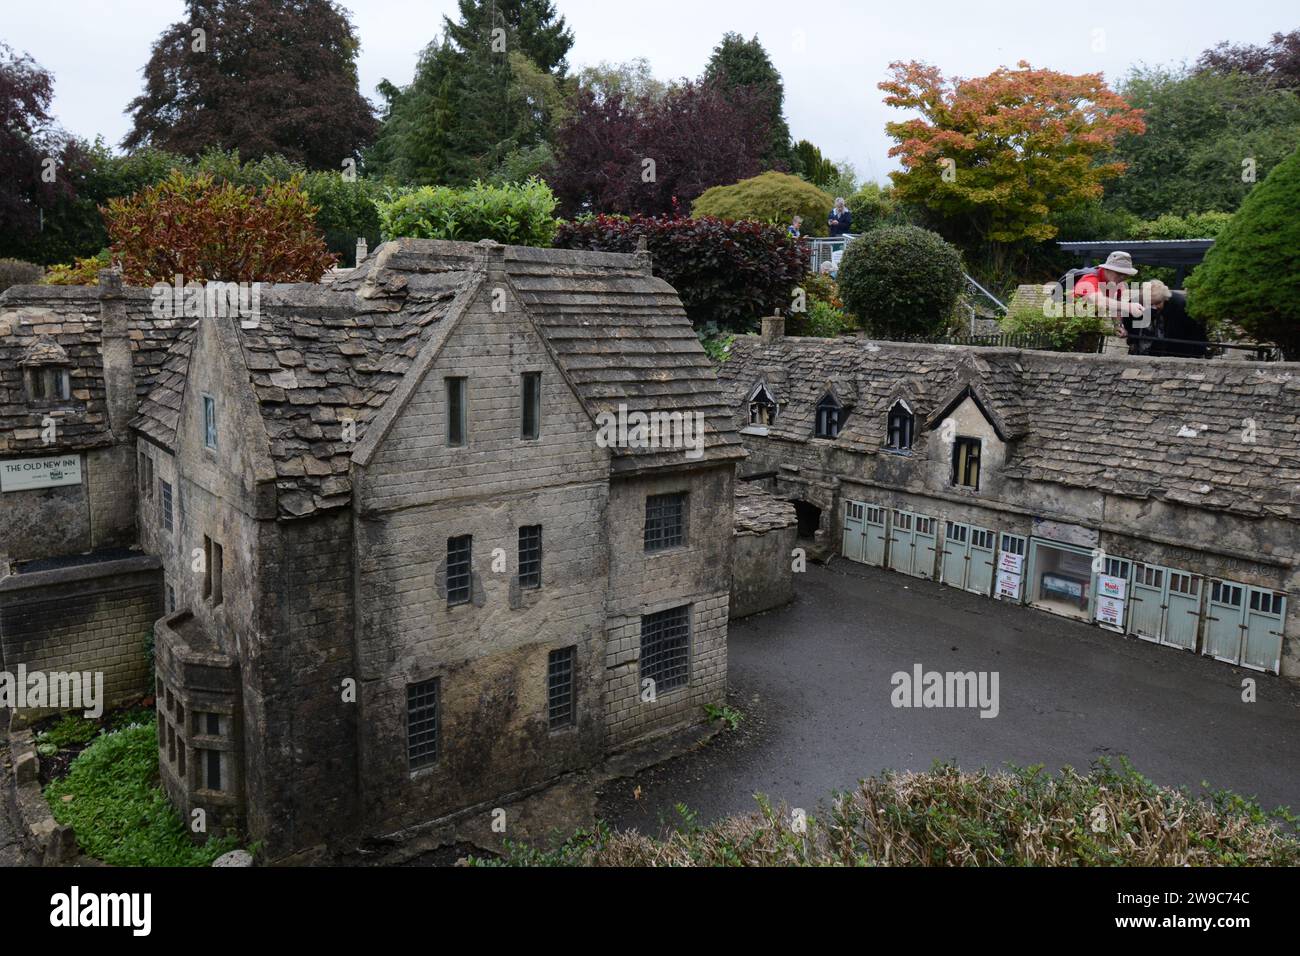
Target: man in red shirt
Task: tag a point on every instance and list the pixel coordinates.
(1107, 290)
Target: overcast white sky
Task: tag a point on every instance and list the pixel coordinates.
(832, 53)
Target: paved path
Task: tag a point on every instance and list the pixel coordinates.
(814, 683)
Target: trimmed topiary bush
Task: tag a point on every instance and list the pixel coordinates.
(1250, 276)
(517, 214)
(730, 274)
(772, 197)
(16, 272)
(901, 281)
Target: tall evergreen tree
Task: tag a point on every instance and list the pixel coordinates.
(737, 62)
(483, 93)
(259, 76)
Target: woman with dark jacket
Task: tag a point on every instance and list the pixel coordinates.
(840, 219)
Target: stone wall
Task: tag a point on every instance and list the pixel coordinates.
(698, 575)
(88, 617)
(490, 656)
(73, 519)
(767, 532)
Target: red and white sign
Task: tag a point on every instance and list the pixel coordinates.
(1109, 587)
(1011, 563)
(1008, 585)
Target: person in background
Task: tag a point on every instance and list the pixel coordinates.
(840, 219)
(796, 227)
(1170, 320)
(1105, 288)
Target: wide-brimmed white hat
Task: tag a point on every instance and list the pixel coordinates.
(1120, 262)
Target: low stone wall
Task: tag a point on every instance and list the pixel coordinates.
(94, 617)
(766, 534)
(46, 841)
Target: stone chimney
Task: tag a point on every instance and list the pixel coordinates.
(644, 261)
(773, 327)
(115, 347)
(362, 250)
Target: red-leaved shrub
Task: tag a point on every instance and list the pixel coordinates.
(217, 232)
(728, 273)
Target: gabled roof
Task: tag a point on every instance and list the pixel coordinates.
(323, 355)
(1171, 429)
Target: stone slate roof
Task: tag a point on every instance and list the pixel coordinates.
(38, 322)
(324, 354)
(1170, 429)
(758, 511)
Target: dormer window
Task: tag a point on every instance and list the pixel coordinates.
(762, 407)
(47, 372)
(966, 462)
(830, 417)
(902, 427)
(49, 384)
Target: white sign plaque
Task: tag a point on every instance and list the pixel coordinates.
(24, 474)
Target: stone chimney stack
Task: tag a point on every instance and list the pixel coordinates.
(363, 250)
(115, 346)
(643, 258)
(773, 327)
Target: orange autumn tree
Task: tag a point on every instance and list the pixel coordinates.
(996, 156)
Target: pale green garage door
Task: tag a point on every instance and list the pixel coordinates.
(1244, 625)
(912, 544)
(1166, 606)
(864, 533)
(968, 554)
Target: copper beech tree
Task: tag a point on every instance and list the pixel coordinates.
(207, 231)
(999, 154)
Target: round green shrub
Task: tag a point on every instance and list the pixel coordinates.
(1250, 277)
(772, 197)
(871, 207)
(901, 281)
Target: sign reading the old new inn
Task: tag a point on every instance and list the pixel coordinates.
(23, 474)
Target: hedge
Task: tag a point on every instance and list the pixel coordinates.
(772, 197)
(516, 214)
(727, 273)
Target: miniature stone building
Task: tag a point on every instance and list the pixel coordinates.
(405, 573)
(762, 576)
(1157, 497)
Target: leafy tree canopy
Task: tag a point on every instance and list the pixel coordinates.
(994, 156)
(259, 76)
(740, 63)
(1207, 134)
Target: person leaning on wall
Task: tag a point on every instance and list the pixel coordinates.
(1173, 328)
